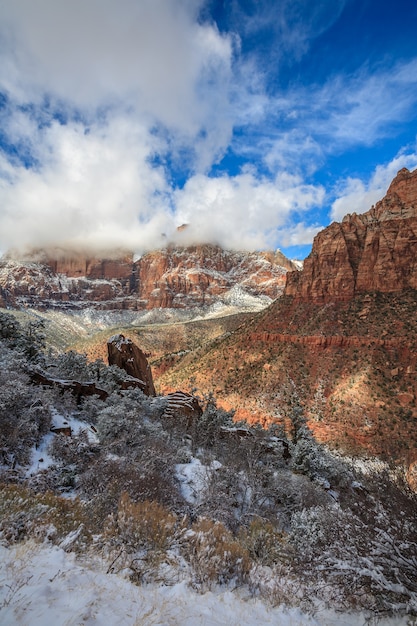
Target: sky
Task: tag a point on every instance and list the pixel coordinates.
(255, 122)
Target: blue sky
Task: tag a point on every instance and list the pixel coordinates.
(256, 122)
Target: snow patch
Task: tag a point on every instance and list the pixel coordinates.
(42, 584)
(193, 478)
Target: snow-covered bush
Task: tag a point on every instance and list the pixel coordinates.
(126, 417)
(24, 414)
(209, 425)
(69, 365)
(103, 480)
(24, 513)
(28, 339)
(265, 543)
(215, 555)
(362, 564)
(223, 496)
(313, 459)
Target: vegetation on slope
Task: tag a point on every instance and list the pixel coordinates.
(353, 365)
(208, 502)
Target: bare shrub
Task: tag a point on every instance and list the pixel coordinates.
(264, 542)
(144, 525)
(215, 555)
(41, 516)
(138, 538)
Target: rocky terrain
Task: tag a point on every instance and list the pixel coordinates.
(178, 278)
(342, 341)
(126, 355)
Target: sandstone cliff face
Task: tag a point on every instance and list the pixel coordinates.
(200, 275)
(174, 277)
(376, 251)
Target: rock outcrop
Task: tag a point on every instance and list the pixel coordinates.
(182, 406)
(171, 278)
(79, 389)
(373, 252)
(129, 357)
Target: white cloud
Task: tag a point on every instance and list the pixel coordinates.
(357, 196)
(106, 100)
(300, 234)
(243, 212)
(300, 128)
(98, 188)
(150, 57)
(360, 109)
(94, 189)
(132, 84)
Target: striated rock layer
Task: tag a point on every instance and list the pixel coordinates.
(171, 278)
(376, 251)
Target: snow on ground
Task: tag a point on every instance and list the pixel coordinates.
(42, 585)
(41, 458)
(193, 478)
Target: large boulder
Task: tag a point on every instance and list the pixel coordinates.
(128, 356)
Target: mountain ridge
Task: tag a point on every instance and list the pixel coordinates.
(373, 251)
(178, 278)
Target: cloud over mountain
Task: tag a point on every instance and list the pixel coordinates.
(122, 121)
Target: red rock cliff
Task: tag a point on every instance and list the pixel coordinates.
(173, 277)
(199, 275)
(376, 251)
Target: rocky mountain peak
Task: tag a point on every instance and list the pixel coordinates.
(375, 251)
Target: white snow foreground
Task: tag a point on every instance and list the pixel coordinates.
(41, 584)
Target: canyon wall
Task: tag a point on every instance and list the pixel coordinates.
(171, 278)
(375, 251)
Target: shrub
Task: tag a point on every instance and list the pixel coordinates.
(42, 516)
(215, 555)
(139, 536)
(264, 542)
(24, 415)
(144, 525)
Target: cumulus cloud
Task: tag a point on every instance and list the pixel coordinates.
(243, 211)
(357, 196)
(91, 52)
(99, 188)
(151, 58)
(98, 95)
(114, 117)
(95, 188)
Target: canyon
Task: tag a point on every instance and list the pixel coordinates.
(341, 343)
(338, 339)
